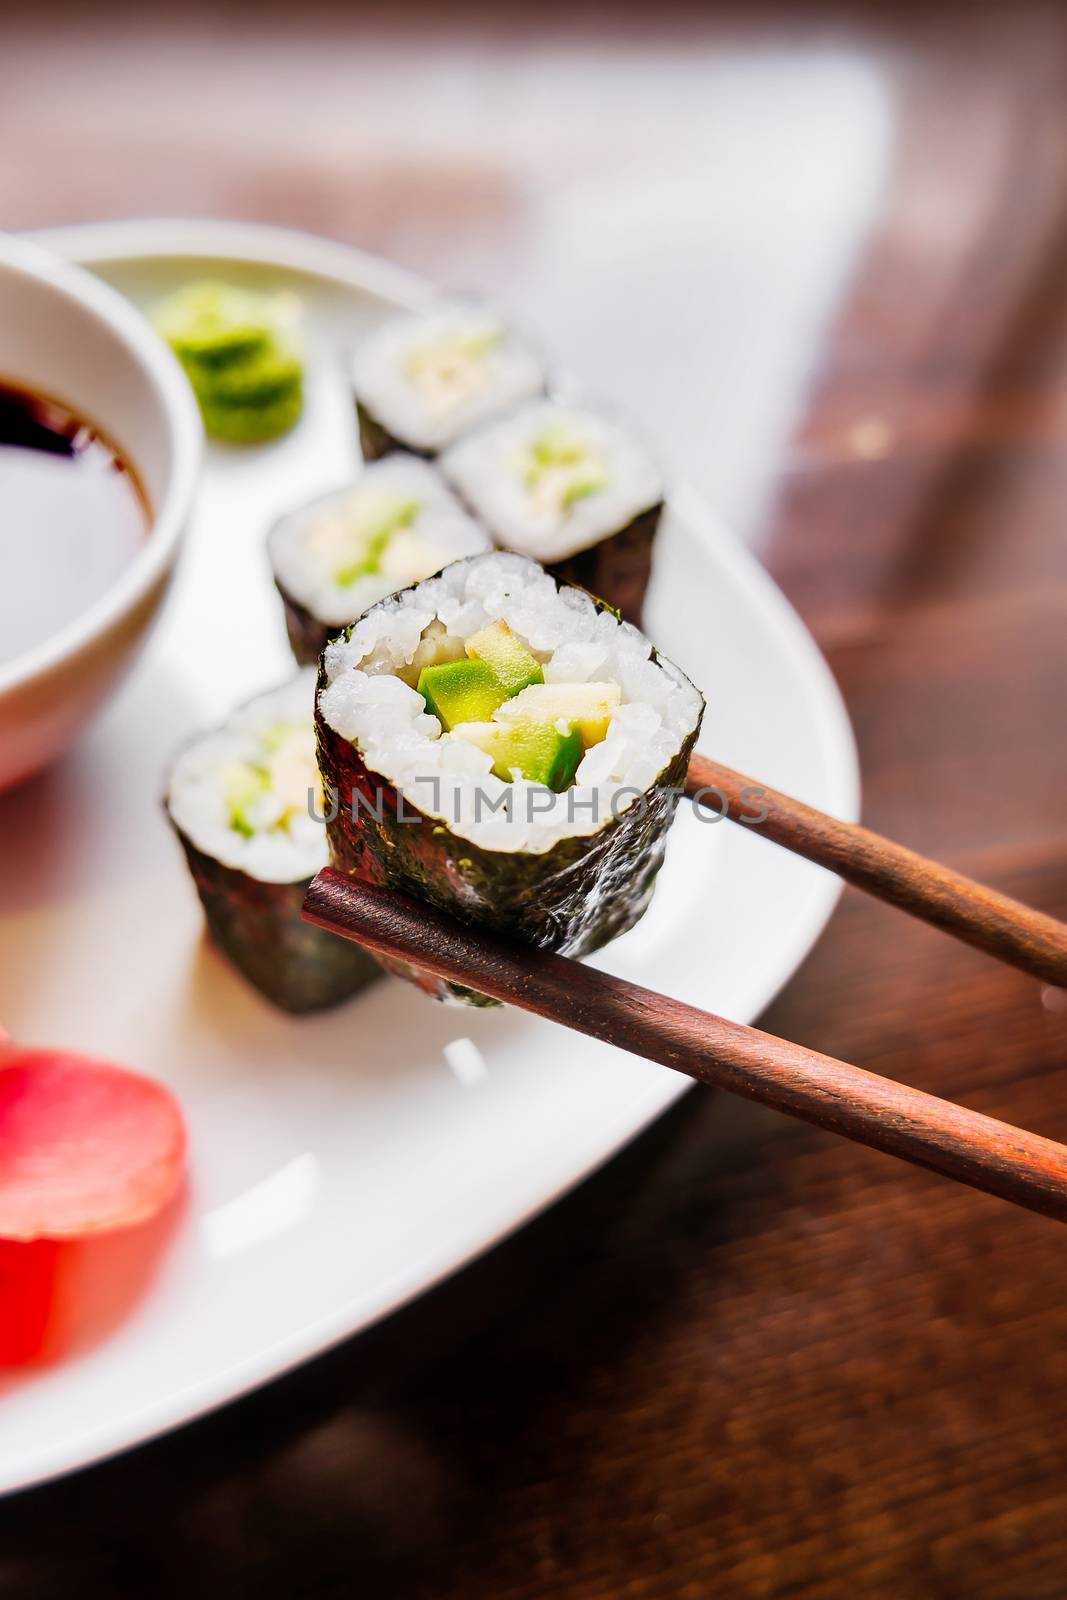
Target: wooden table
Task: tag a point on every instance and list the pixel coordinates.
(745, 1359)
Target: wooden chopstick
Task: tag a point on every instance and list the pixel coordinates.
(974, 1149)
(993, 922)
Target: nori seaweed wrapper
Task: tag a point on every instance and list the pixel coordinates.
(618, 567)
(258, 926)
(376, 441)
(573, 898)
(308, 636)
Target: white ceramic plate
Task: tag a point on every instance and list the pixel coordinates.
(342, 1164)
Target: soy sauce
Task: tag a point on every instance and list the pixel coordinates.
(72, 516)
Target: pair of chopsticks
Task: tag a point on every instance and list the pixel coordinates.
(974, 1149)
(992, 922)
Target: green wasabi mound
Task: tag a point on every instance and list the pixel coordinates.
(240, 355)
(213, 323)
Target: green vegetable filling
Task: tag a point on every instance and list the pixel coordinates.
(514, 665)
(495, 697)
(587, 707)
(559, 462)
(246, 784)
(285, 768)
(461, 691)
(447, 356)
(497, 665)
(371, 542)
(537, 751)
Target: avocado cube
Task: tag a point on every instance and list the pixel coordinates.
(537, 750)
(588, 707)
(504, 651)
(461, 691)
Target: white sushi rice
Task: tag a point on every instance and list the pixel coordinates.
(366, 702)
(310, 546)
(429, 376)
(197, 790)
(527, 507)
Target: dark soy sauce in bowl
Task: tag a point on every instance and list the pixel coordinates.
(72, 517)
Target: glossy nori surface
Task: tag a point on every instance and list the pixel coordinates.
(573, 898)
(376, 441)
(258, 926)
(618, 568)
(308, 636)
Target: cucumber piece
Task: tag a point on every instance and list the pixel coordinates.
(538, 751)
(372, 541)
(509, 658)
(557, 447)
(467, 690)
(245, 784)
(560, 461)
(588, 707)
(582, 488)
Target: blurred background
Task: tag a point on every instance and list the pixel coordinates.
(682, 196)
(820, 252)
(816, 250)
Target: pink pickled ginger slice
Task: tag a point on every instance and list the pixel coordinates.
(85, 1147)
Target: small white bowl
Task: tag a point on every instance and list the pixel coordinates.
(67, 336)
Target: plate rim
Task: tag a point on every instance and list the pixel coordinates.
(97, 244)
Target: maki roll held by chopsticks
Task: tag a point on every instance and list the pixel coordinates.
(332, 558)
(569, 487)
(507, 749)
(423, 379)
(245, 802)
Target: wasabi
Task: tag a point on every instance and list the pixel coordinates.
(240, 352)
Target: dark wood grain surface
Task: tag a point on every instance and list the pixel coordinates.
(887, 1115)
(981, 916)
(746, 1359)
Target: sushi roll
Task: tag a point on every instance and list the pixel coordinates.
(570, 488)
(238, 799)
(398, 523)
(507, 749)
(422, 379)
